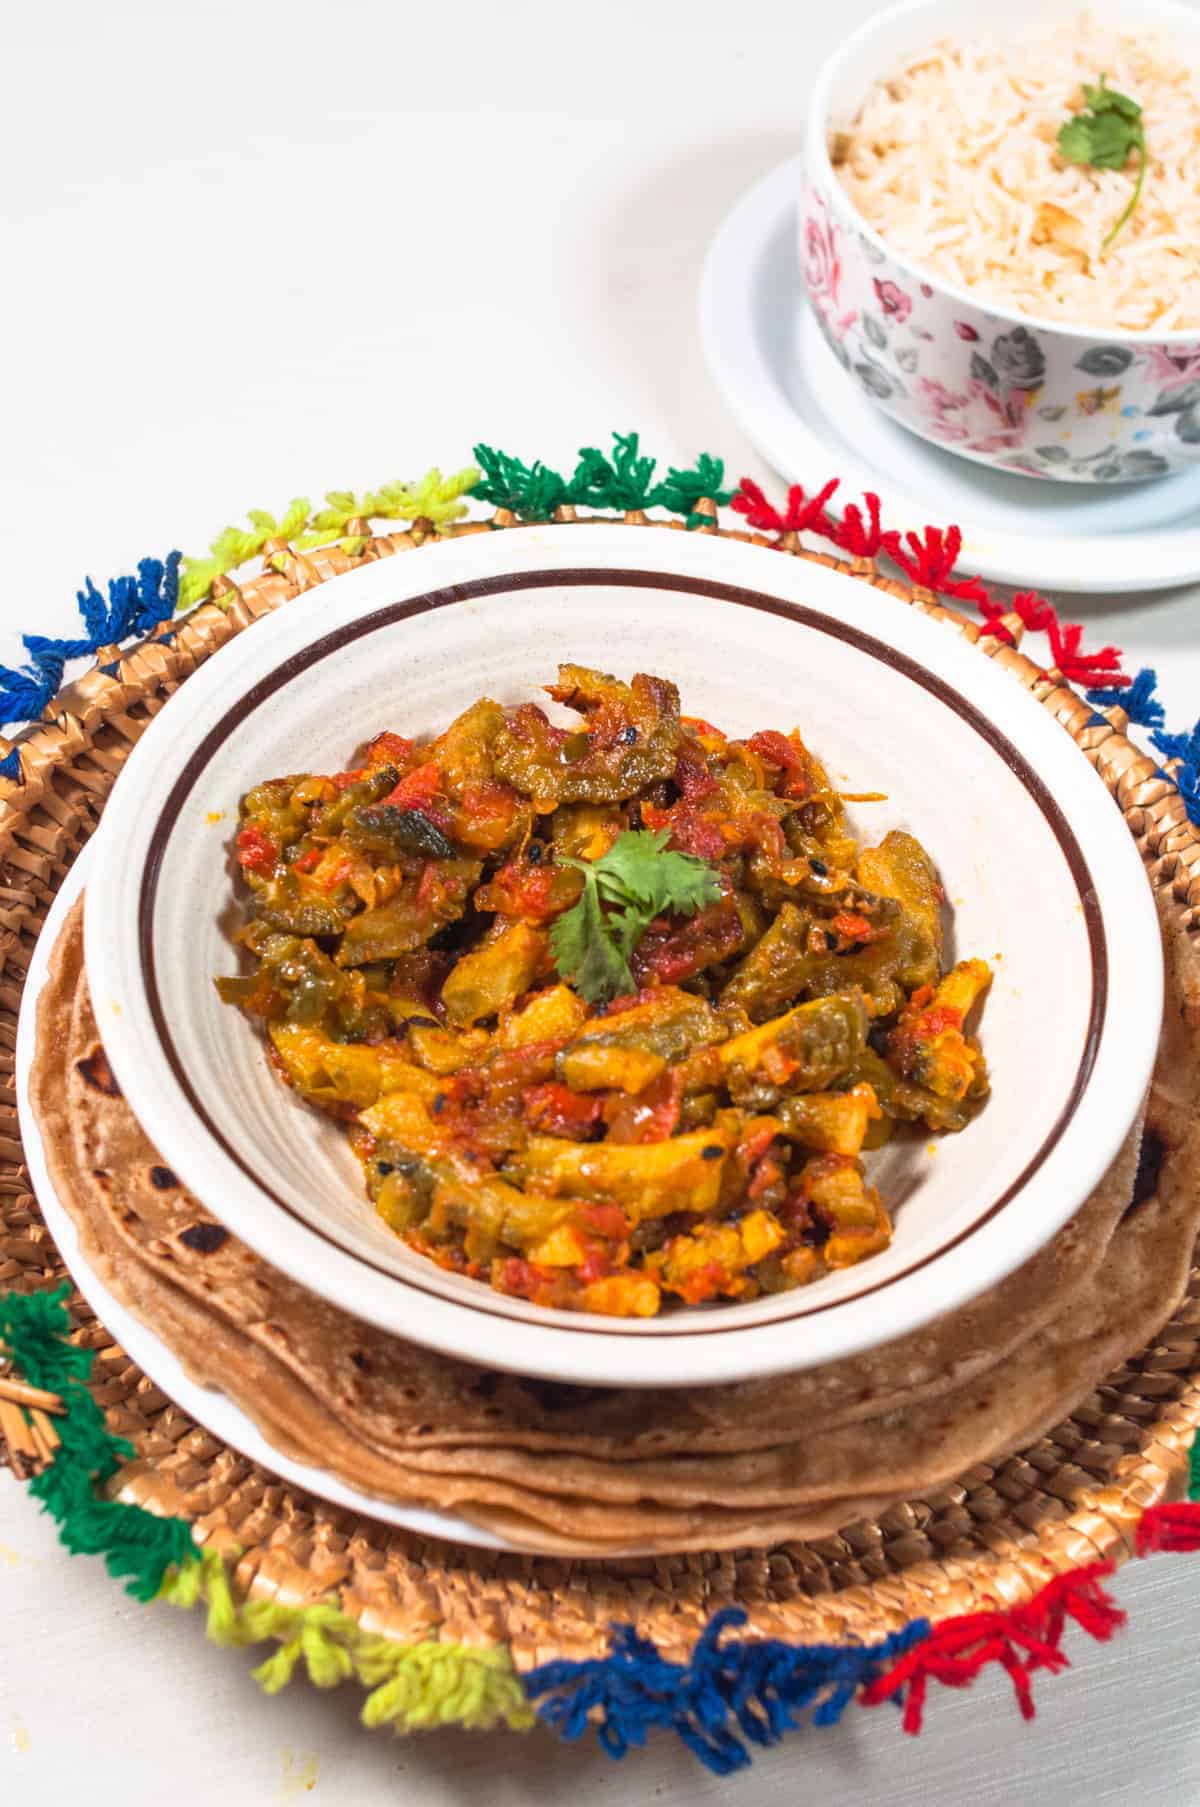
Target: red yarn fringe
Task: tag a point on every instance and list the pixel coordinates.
(861, 539)
(1022, 1640)
(1171, 1528)
(928, 560)
(801, 514)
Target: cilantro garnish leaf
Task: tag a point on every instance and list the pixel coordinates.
(623, 891)
(586, 952)
(1103, 134)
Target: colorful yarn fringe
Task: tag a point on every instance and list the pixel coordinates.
(434, 498)
(729, 1695)
(135, 606)
(733, 1693)
(411, 1686)
(135, 1545)
(929, 560)
(623, 481)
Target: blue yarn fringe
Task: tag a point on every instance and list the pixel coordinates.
(138, 604)
(729, 1696)
(1138, 700)
(1142, 707)
(1186, 776)
(1179, 746)
(135, 605)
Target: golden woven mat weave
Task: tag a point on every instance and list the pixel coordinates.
(996, 1534)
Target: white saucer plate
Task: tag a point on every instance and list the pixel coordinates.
(794, 402)
(214, 1410)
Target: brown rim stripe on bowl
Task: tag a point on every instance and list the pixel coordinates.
(394, 613)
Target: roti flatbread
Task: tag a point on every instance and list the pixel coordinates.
(592, 1471)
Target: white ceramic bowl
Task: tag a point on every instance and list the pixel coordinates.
(1087, 405)
(1041, 871)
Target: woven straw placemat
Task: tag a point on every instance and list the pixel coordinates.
(996, 1535)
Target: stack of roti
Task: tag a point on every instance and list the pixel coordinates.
(596, 1472)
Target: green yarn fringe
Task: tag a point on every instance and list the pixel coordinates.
(137, 1546)
(433, 498)
(624, 481)
(532, 492)
(411, 1686)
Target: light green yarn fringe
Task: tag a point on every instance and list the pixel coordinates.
(412, 1686)
(624, 479)
(433, 498)
(236, 545)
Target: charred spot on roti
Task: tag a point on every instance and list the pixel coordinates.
(96, 1072)
(163, 1179)
(1151, 1156)
(205, 1238)
(102, 1178)
(556, 1396)
(361, 1360)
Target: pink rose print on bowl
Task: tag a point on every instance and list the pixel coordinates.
(1051, 398)
(823, 267)
(892, 299)
(975, 418)
(1176, 370)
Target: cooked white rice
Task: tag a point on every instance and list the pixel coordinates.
(954, 162)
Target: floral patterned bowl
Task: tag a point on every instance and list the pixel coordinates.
(1093, 405)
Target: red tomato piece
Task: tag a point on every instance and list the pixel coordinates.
(691, 832)
(705, 1283)
(936, 1022)
(484, 819)
(755, 1145)
(527, 891)
(558, 1111)
(774, 748)
(672, 950)
(389, 749)
(256, 851)
(650, 1115)
(417, 788)
(523, 1278)
(308, 860)
(692, 775)
(852, 927)
(529, 723)
(338, 876)
(629, 1000)
(608, 1221)
(490, 802)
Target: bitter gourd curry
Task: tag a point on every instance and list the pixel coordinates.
(611, 1012)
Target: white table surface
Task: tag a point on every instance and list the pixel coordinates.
(255, 250)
